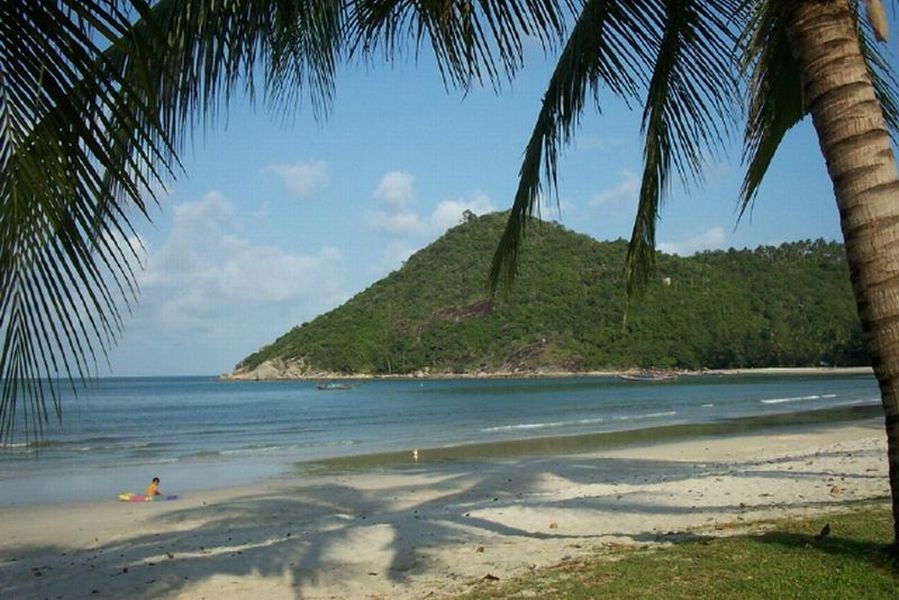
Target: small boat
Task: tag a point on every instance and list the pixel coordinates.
(647, 376)
(334, 385)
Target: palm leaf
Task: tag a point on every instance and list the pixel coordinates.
(690, 97)
(96, 96)
(883, 76)
(472, 40)
(57, 167)
(774, 93)
(678, 55)
(605, 46)
(89, 132)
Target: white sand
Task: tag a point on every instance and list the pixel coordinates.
(430, 530)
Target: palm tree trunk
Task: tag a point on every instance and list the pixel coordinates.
(856, 146)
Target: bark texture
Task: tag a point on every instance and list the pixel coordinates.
(856, 146)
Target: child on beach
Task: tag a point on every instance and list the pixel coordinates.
(153, 488)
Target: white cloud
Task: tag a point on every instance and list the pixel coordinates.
(711, 239)
(395, 190)
(205, 273)
(407, 230)
(623, 192)
(396, 193)
(396, 223)
(301, 179)
(402, 222)
(449, 212)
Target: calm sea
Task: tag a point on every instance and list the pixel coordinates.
(197, 433)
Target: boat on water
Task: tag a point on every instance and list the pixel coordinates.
(648, 376)
(335, 385)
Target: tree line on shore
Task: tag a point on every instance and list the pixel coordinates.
(784, 306)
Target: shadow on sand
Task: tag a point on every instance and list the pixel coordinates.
(379, 530)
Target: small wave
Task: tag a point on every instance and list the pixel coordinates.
(709, 405)
(16, 445)
(521, 426)
(554, 424)
(251, 450)
(106, 439)
(591, 421)
(340, 443)
(796, 399)
(15, 448)
(131, 462)
(293, 429)
(655, 415)
(202, 455)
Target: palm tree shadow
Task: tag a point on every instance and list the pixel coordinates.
(314, 533)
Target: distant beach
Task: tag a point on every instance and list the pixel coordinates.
(280, 370)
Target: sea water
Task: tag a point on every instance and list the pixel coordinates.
(202, 432)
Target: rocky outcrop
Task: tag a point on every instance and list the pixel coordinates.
(279, 368)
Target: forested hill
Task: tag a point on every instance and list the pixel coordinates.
(774, 306)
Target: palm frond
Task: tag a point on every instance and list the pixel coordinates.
(774, 93)
(688, 110)
(883, 75)
(676, 53)
(96, 97)
(607, 45)
(473, 40)
(59, 171)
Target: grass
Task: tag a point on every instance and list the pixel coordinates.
(788, 560)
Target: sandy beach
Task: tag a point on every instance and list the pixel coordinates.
(430, 529)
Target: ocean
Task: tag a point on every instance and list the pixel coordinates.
(201, 432)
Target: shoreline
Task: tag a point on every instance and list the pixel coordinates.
(549, 446)
(286, 374)
(435, 527)
(85, 484)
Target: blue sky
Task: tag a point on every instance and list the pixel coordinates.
(276, 220)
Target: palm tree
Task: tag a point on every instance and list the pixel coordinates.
(687, 62)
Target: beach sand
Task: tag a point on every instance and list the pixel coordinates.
(430, 529)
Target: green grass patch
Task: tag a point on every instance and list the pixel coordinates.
(788, 560)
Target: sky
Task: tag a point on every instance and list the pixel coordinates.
(277, 219)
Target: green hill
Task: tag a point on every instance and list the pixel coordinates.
(770, 307)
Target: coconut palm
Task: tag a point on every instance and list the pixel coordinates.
(691, 63)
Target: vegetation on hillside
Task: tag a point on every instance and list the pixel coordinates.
(784, 306)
